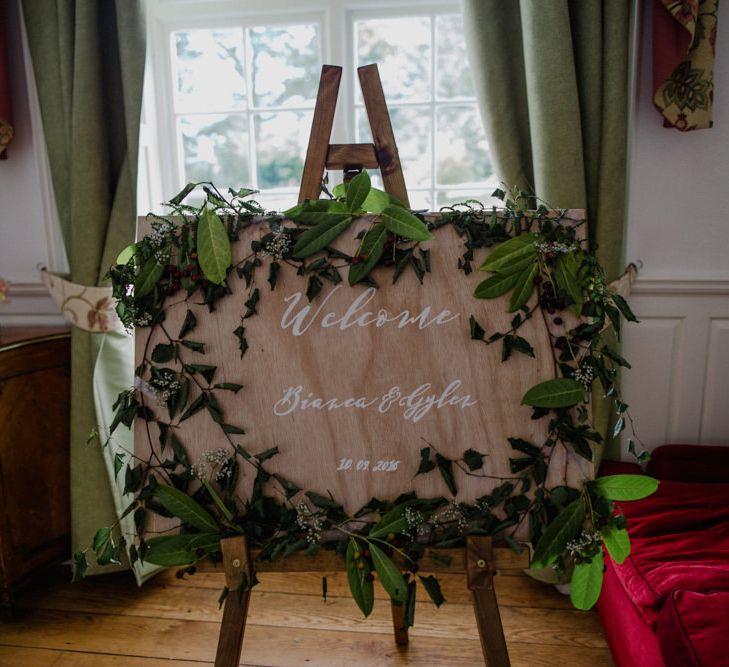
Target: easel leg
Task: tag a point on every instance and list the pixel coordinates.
(237, 567)
(398, 624)
(479, 563)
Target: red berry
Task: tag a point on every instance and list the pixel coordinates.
(193, 255)
(369, 577)
(551, 311)
(190, 267)
(558, 320)
(356, 260)
(195, 277)
(537, 280)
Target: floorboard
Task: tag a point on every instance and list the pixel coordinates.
(107, 620)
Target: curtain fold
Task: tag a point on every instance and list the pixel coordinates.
(88, 61)
(552, 83)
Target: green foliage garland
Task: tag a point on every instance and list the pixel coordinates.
(188, 255)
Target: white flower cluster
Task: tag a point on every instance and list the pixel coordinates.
(143, 320)
(557, 248)
(161, 257)
(308, 521)
(165, 387)
(161, 231)
(454, 512)
(585, 542)
(278, 246)
(213, 461)
(584, 375)
(417, 523)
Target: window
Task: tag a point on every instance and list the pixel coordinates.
(232, 93)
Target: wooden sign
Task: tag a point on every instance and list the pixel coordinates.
(351, 385)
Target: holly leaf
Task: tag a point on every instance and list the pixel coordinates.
(213, 247)
(362, 590)
(371, 249)
(357, 191)
(587, 582)
(519, 249)
(316, 238)
(554, 539)
(559, 393)
(403, 223)
(390, 576)
(185, 508)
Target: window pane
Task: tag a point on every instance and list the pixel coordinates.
(450, 197)
(420, 200)
(209, 69)
(402, 50)
(285, 64)
(215, 148)
(281, 140)
(452, 72)
(462, 153)
(412, 129)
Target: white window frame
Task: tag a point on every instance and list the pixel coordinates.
(336, 20)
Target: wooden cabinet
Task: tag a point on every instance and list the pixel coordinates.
(34, 453)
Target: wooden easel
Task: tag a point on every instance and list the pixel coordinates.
(352, 158)
(479, 561)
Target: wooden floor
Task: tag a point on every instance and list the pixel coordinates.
(108, 621)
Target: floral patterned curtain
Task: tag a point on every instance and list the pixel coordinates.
(6, 125)
(684, 39)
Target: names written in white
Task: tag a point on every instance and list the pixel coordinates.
(414, 404)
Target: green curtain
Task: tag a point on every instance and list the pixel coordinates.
(551, 77)
(88, 60)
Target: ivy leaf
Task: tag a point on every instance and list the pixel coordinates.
(626, 487)
(316, 238)
(231, 429)
(554, 539)
(445, 466)
(477, 331)
(496, 285)
(290, 488)
(403, 223)
(185, 508)
(213, 247)
(390, 577)
(519, 249)
(273, 272)
(229, 386)
(267, 454)
(624, 308)
(473, 459)
(371, 249)
(357, 190)
(432, 588)
(118, 463)
(182, 194)
(409, 619)
(101, 538)
(240, 334)
(566, 273)
(559, 393)
(251, 303)
(426, 465)
(587, 583)
(178, 451)
(617, 542)
(149, 275)
(525, 447)
(80, 565)
(206, 370)
(322, 502)
(523, 288)
(194, 345)
(362, 590)
(188, 325)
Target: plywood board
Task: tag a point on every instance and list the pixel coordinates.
(368, 376)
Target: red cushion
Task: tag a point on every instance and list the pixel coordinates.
(631, 640)
(679, 539)
(693, 628)
(690, 463)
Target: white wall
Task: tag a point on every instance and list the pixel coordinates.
(28, 225)
(678, 226)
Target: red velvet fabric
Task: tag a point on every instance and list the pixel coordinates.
(690, 463)
(631, 639)
(679, 561)
(693, 629)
